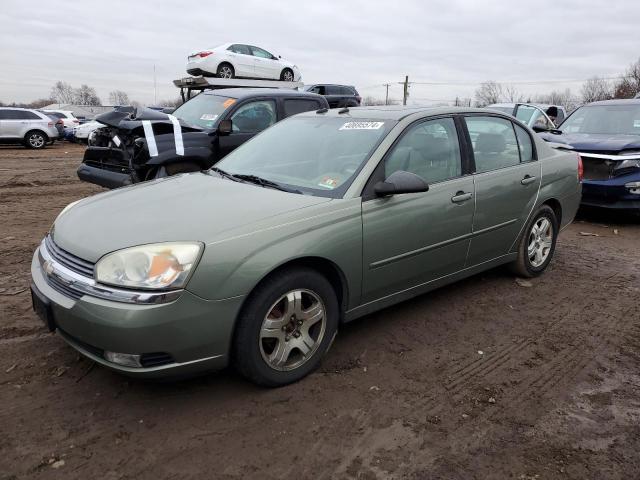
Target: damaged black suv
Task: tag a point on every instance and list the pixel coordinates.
(143, 144)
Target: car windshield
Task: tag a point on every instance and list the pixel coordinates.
(203, 110)
(606, 119)
(318, 155)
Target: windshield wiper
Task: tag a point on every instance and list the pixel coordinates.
(263, 182)
(224, 174)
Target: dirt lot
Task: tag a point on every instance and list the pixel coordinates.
(487, 378)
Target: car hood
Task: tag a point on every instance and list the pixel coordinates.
(131, 118)
(193, 207)
(590, 142)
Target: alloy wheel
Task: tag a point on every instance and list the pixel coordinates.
(36, 140)
(292, 330)
(287, 76)
(226, 72)
(540, 242)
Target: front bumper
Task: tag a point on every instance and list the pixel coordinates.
(102, 177)
(611, 193)
(194, 333)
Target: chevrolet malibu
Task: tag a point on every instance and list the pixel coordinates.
(323, 218)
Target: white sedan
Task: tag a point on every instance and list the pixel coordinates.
(82, 133)
(237, 60)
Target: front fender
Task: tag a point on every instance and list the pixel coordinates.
(331, 231)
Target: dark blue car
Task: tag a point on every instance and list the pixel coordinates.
(607, 136)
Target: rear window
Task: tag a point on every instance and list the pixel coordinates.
(204, 110)
(293, 106)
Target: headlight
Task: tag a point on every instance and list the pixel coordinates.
(626, 164)
(154, 267)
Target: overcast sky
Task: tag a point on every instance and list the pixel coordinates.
(115, 44)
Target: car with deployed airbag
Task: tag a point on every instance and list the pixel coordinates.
(321, 219)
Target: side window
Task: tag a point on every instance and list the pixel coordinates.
(258, 52)
(254, 116)
(429, 149)
(238, 48)
(319, 89)
(524, 113)
(299, 105)
(494, 143)
(22, 115)
(525, 144)
(539, 119)
(332, 90)
(4, 114)
(345, 91)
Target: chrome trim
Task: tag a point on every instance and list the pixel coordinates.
(88, 286)
(609, 157)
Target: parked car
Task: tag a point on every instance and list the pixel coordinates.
(337, 95)
(538, 116)
(321, 219)
(607, 136)
(59, 124)
(82, 132)
(28, 127)
(67, 117)
(237, 60)
(198, 134)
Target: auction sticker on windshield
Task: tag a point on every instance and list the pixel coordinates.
(361, 126)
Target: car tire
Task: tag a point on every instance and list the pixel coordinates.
(285, 328)
(287, 75)
(35, 139)
(537, 243)
(225, 70)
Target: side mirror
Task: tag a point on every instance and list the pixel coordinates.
(168, 110)
(225, 127)
(401, 182)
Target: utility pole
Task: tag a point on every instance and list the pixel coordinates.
(386, 98)
(406, 90)
(155, 88)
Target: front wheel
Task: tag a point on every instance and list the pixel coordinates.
(287, 75)
(286, 327)
(537, 243)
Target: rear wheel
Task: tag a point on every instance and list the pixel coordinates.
(287, 75)
(225, 70)
(35, 139)
(286, 327)
(537, 243)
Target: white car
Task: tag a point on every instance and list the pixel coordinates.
(29, 127)
(67, 117)
(83, 132)
(237, 60)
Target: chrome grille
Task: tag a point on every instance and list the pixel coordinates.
(66, 290)
(69, 260)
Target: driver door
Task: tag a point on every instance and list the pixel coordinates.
(248, 119)
(412, 239)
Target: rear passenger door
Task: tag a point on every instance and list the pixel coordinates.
(507, 180)
(243, 60)
(332, 94)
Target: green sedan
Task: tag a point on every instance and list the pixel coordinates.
(321, 219)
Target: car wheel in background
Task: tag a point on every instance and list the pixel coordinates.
(287, 75)
(35, 139)
(225, 70)
(286, 327)
(537, 243)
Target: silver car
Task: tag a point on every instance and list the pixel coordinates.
(28, 127)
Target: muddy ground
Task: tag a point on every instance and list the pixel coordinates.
(487, 378)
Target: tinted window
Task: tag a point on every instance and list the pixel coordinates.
(319, 89)
(299, 105)
(254, 116)
(258, 52)
(525, 144)
(346, 91)
(429, 149)
(494, 143)
(243, 49)
(4, 115)
(332, 90)
(21, 115)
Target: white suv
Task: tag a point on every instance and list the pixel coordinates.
(29, 127)
(67, 117)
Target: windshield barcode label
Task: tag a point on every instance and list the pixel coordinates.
(362, 126)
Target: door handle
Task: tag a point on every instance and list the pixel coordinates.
(460, 197)
(527, 180)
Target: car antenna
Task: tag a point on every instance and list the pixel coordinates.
(322, 110)
(344, 110)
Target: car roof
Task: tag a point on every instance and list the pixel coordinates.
(618, 101)
(397, 112)
(239, 93)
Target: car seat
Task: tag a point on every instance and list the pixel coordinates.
(489, 150)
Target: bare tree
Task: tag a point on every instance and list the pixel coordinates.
(118, 97)
(511, 94)
(85, 95)
(176, 102)
(62, 92)
(629, 84)
(559, 97)
(488, 93)
(595, 89)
